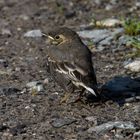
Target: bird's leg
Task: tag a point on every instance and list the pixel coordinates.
(65, 98)
(79, 99)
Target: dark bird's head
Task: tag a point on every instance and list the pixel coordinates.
(62, 35)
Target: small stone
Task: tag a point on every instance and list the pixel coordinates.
(3, 127)
(92, 119)
(7, 134)
(136, 109)
(35, 86)
(98, 2)
(90, 34)
(3, 63)
(59, 122)
(70, 14)
(104, 128)
(24, 17)
(108, 7)
(27, 107)
(6, 32)
(137, 134)
(113, 2)
(32, 84)
(46, 81)
(33, 33)
(133, 66)
(138, 4)
(110, 22)
(18, 129)
(8, 90)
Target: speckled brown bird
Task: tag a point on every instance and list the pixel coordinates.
(70, 61)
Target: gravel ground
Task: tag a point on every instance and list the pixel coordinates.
(28, 115)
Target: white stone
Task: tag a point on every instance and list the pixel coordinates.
(33, 33)
(6, 32)
(133, 66)
(110, 22)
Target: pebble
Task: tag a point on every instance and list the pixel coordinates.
(133, 66)
(6, 32)
(33, 33)
(35, 85)
(90, 34)
(3, 63)
(59, 122)
(104, 128)
(8, 90)
(108, 7)
(110, 22)
(138, 4)
(24, 17)
(92, 119)
(137, 134)
(136, 109)
(102, 37)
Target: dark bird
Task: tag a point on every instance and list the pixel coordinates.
(70, 61)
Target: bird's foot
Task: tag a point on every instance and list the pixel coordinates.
(65, 98)
(78, 99)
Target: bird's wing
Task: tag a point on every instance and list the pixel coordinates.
(75, 73)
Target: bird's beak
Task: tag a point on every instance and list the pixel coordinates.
(50, 37)
(44, 35)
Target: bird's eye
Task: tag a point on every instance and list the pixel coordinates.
(57, 37)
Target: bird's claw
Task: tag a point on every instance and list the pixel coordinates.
(65, 98)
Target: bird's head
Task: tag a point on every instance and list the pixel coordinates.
(62, 35)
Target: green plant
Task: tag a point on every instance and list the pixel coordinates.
(135, 43)
(132, 27)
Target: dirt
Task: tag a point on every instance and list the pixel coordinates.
(28, 116)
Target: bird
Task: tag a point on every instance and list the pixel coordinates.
(70, 62)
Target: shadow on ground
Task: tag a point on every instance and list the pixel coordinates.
(120, 90)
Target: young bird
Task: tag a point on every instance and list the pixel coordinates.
(70, 61)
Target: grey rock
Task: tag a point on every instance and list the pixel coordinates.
(133, 66)
(24, 17)
(35, 85)
(137, 134)
(100, 48)
(102, 37)
(59, 122)
(3, 63)
(113, 2)
(6, 90)
(92, 119)
(127, 62)
(33, 33)
(108, 7)
(107, 41)
(123, 40)
(94, 34)
(138, 4)
(109, 22)
(104, 128)
(136, 109)
(6, 32)
(98, 2)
